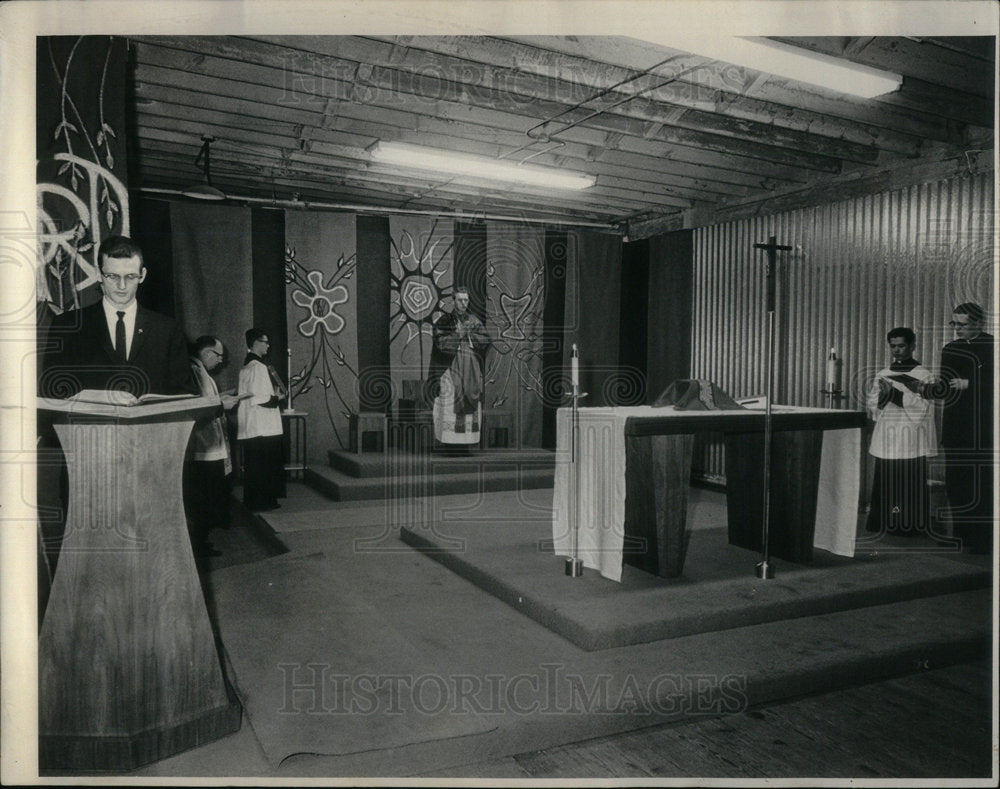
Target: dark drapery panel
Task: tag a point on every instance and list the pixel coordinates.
(213, 280)
(554, 333)
(592, 307)
(634, 316)
(374, 285)
(267, 245)
(671, 266)
(81, 171)
(151, 231)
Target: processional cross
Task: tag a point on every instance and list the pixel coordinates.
(764, 568)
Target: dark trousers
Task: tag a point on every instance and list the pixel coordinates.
(206, 497)
(969, 483)
(263, 471)
(900, 501)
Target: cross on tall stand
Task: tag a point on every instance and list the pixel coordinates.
(764, 567)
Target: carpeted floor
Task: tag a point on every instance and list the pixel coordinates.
(354, 654)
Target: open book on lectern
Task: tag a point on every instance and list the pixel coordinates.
(117, 397)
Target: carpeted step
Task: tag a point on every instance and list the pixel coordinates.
(434, 480)
(396, 462)
(393, 615)
(718, 590)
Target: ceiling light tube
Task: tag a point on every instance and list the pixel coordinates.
(784, 60)
(419, 157)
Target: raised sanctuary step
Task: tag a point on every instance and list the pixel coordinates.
(394, 461)
(398, 474)
(718, 590)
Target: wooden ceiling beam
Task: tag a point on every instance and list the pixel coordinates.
(199, 93)
(682, 104)
(779, 95)
(623, 199)
(236, 185)
(910, 57)
(434, 89)
(612, 176)
(727, 169)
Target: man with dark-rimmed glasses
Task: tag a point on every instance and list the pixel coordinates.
(965, 387)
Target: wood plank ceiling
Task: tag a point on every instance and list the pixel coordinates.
(673, 138)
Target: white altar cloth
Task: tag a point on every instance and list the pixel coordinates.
(602, 483)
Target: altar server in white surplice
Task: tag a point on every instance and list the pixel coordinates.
(259, 428)
(903, 438)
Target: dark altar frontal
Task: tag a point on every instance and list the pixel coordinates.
(658, 467)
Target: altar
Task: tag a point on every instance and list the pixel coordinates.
(629, 492)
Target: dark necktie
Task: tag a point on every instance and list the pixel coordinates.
(120, 338)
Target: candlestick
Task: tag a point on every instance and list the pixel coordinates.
(575, 367)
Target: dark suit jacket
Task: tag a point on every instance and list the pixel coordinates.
(79, 354)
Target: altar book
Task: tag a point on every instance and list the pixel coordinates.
(117, 397)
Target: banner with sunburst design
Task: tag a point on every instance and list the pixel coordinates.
(421, 270)
(320, 288)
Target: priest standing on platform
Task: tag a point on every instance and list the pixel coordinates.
(455, 377)
(903, 439)
(965, 387)
(116, 343)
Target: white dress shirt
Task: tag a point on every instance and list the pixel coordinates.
(111, 314)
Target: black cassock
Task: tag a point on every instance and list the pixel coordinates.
(967, 437)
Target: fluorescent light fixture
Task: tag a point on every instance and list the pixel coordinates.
(419, 157)
(784, 60)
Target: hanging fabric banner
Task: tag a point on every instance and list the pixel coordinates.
(320, 263)
(421, 271)
(591, 317)
(211, 246)
(515, 303)
(81, 171)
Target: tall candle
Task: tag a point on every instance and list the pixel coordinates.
(833, 371)
(289, 379)
(575, 367)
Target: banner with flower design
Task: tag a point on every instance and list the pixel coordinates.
(515, 305)
(81, 169)
(320, 288)
(421, 272)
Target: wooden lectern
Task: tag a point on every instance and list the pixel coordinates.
(129, 672)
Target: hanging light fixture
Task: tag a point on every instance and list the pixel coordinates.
(461, 164)
(204, 190)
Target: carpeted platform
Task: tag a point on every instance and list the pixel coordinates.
(355, 654)
(385, 662)
(718, 590)
(400, 474)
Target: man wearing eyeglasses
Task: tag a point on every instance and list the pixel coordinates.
(116, 343)
(965, 387)
(209, 464)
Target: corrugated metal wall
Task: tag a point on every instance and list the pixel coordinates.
(857, 269)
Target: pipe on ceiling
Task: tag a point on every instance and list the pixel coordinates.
(307, 204)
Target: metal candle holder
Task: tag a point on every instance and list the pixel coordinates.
(574, 564)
